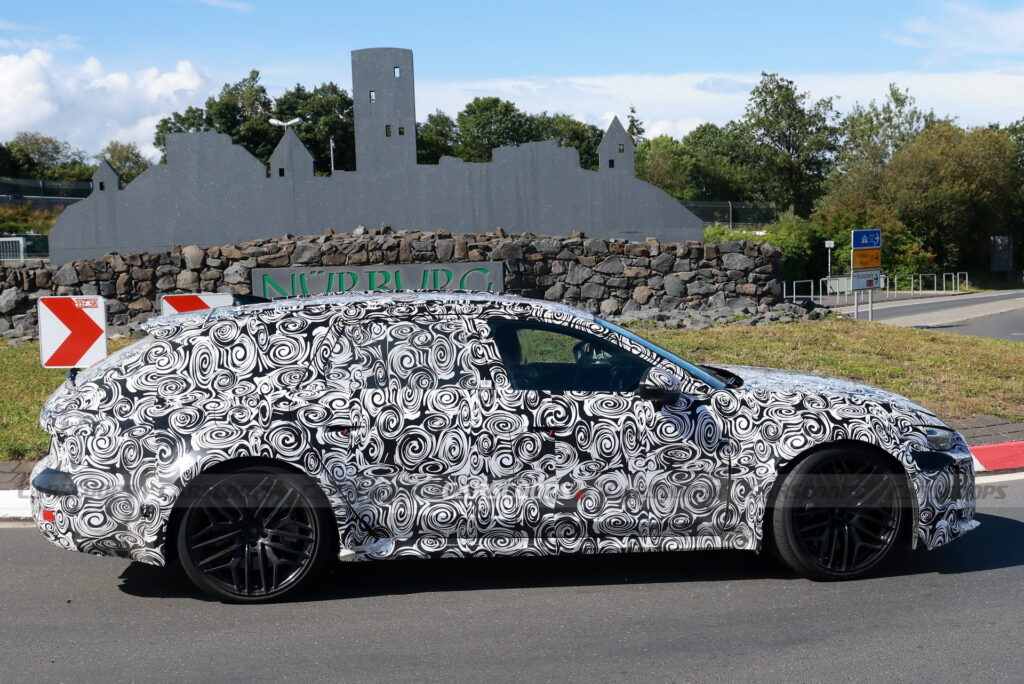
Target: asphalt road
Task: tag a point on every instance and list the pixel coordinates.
(1005, 326)
(982, 314)
(950, 614)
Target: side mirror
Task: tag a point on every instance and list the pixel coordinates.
(660, 387)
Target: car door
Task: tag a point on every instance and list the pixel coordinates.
(413, 461)
(623, 472)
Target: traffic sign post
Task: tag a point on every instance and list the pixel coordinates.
(72, 331)
(183, 303)
(865, 267)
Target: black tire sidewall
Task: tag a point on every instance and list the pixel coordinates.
(324, 532)
(788, 548)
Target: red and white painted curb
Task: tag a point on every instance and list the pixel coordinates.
(993, 457)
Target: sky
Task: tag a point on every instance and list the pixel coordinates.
(90, 72)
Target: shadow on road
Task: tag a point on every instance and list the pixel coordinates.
(998, 543)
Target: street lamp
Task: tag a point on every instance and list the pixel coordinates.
(830, 245)
(286, 124)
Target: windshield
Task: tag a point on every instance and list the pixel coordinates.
(693, 370)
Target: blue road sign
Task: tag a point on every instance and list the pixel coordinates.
(866, 238)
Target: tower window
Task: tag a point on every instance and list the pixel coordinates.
(280, 172)
(401, 130)
(398, 72)
(387, 130)
(622, 148)
(373, 96)
(103, 186)
(611, 163)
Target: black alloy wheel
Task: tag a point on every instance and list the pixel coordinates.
(840, 514)
(255, 534)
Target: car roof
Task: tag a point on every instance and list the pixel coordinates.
(376, 300)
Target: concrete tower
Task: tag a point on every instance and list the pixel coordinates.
(616, 150)
(384, 103)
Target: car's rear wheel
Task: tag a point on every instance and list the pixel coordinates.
(840, 514)
(255, 534)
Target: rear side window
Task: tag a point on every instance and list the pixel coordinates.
(425, 354)
(430, 354)
(541, 356)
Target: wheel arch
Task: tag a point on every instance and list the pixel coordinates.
(170, 527)
(896, 465)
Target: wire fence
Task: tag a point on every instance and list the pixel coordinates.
(733, 214)
(31, 188)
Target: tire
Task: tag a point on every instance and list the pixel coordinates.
(840, 514)
(254, 535)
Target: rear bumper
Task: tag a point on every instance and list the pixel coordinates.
(90, 513)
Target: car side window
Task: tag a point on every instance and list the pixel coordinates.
(428, 354)
(542, 356)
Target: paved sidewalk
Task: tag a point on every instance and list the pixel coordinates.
(982, 430)
(14, 474)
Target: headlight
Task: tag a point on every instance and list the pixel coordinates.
(939, 439)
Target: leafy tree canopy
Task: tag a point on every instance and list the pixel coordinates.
(126, 158)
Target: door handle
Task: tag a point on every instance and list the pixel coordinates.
(342, 429)
(546, 428)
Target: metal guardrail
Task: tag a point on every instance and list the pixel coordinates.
(840, 286)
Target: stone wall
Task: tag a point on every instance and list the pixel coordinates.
(614, 278)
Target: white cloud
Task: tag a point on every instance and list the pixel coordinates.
(961, 29)
(676, 104)
(241, 7)
(61, 42)
(89, 105)
(11, 26)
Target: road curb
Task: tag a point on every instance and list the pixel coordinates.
(15, 504)
(995, 457)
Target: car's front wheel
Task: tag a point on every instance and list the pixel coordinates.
(839, 514)
(254, 534)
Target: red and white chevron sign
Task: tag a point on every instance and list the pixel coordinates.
(181, 303)
(72, 331)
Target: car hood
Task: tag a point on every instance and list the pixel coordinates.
(775, 380)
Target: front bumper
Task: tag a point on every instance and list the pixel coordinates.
(945, 498)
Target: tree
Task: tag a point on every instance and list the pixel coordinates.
(666, 163)
(192, 120)
(635, 127)
(489, 122)
(35, 155)
(126, 158)
(708, 164)
(954, 188)
(795, 142)
(568, 132)
(720, 169)
(436, 137)
(326, 113)
(874, 133)
(243, 111)
(9, 165)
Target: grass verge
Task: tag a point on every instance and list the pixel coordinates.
(954, 375)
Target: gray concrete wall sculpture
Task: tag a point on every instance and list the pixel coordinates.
(213, 192)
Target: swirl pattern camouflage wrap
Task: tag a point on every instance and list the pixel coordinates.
(405, 411)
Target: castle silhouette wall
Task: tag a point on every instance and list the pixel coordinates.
(214, 192)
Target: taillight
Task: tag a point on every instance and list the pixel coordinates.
(48, 515)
